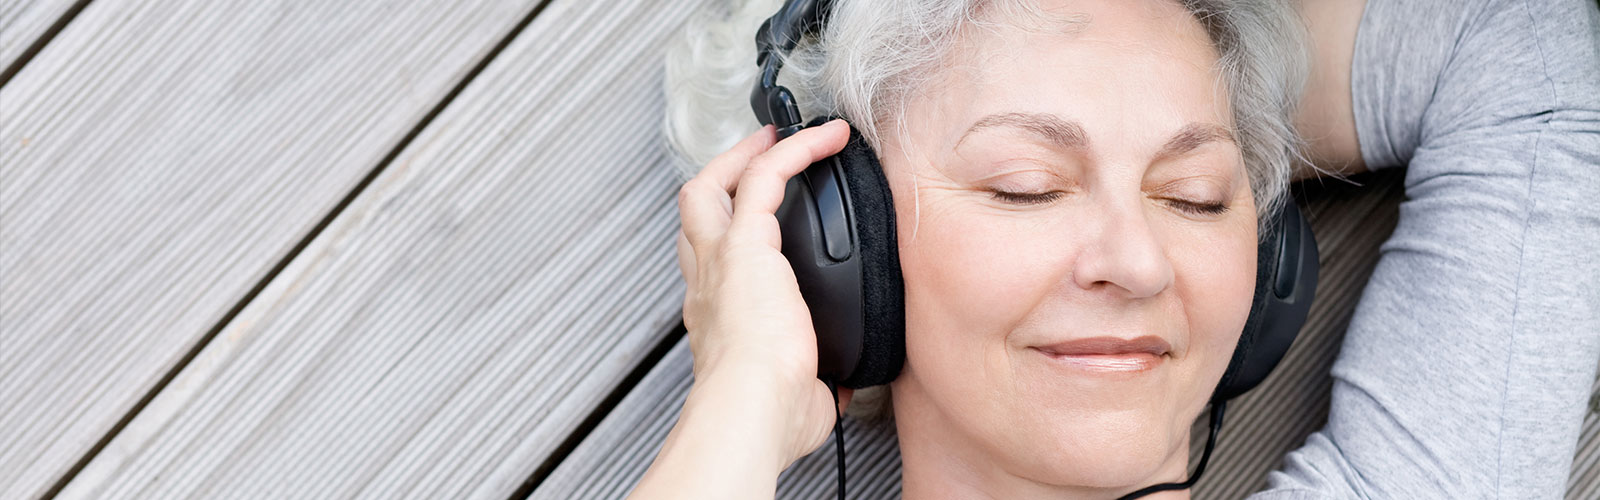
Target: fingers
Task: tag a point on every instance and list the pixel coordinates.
(761, 188)
(704, 203)
(757, 170)
(844, 398)
(705, 210)
(724, 170)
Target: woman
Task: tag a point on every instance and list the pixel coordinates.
(1090, 174)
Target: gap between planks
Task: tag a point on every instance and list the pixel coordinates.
(255, 290)
(41, 41)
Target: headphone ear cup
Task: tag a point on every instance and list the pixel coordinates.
(883, 349)
(1286, 284)
(837, 221)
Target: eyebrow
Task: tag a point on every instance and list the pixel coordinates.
(1065, 134)
(1068, 134)
(1194, 135)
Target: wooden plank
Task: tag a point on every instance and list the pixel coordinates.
(22, 22)
(465, 313)
(1350, 224)
(159, 158)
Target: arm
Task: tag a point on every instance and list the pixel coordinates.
(726, 443)
(756, 405)
(1469, 358)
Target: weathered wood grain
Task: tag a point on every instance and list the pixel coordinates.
(465, 312)
(1350, 224)
(24, 21)
(158, 158)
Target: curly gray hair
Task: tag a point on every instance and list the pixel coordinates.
(875, 53)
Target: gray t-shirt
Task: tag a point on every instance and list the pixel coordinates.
(1466, 369)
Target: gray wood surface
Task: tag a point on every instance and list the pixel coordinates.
(24, 21)
(158, 158)
(1350, 223)
(466, 311)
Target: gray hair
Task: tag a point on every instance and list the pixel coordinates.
(874, 54)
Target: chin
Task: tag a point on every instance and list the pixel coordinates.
(1100, 449)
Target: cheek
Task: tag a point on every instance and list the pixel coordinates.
(967, 286)
(968, 273)
(1215, 277)
(966, 279)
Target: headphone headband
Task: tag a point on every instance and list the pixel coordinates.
(774, 104)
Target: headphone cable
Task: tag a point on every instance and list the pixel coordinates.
(838, 434)
(1211, 441)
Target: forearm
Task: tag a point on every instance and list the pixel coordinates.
(724, 445)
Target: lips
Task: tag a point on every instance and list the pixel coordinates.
(1109, 354)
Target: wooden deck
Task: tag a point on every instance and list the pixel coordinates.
(408, 249)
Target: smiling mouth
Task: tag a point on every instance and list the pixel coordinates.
(1109, 354)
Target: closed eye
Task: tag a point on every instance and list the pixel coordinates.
(1025, 198)
(1198, 208)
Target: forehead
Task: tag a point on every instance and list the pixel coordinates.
(1137, 70)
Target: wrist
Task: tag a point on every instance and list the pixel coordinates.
(743, 408)
(712, 453)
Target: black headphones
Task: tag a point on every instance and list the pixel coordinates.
(838, 225)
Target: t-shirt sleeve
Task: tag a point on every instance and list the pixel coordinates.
(1466, 368)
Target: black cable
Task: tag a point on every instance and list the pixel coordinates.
(1211, 441)
(838, 434)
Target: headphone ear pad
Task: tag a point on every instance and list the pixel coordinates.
(883, 349)
(1286, 284)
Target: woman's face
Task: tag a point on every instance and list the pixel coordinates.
(1077, 236)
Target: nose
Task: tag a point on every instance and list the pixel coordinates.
(1123, 253)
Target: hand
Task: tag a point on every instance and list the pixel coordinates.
(755, 352)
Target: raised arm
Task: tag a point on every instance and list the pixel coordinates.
(756, 404)
(1467, 364)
